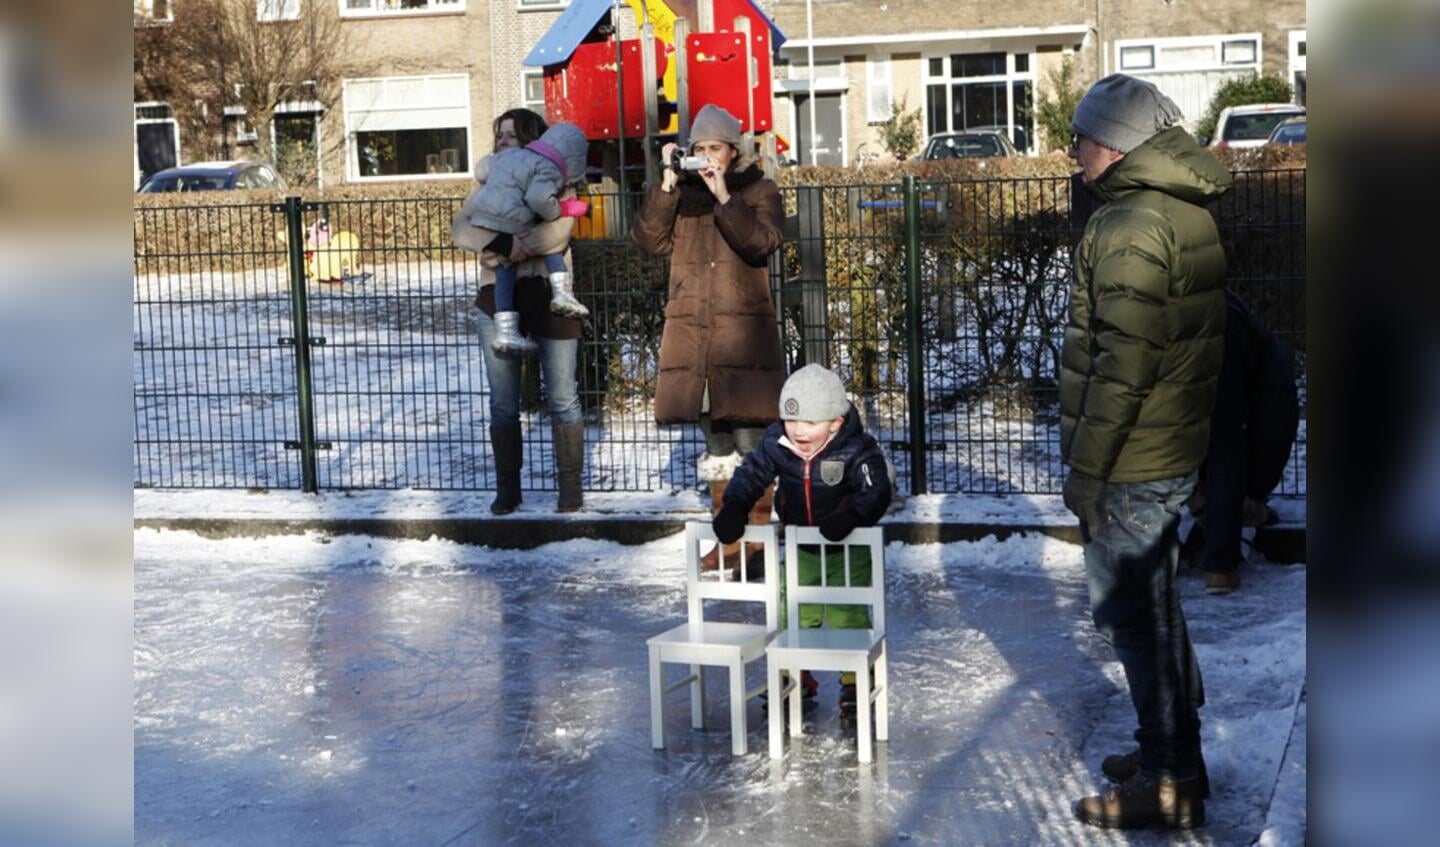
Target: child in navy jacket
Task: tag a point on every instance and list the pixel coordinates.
(832, 475)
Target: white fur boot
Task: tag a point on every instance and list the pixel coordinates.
(562, 296)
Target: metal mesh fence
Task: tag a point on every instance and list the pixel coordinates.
(953, 310)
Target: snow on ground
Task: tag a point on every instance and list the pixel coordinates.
(319, 690)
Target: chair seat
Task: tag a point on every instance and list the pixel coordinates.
(740, 636)
(825, 640)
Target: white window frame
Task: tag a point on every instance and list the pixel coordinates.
(352, 153)
(1216, 41)
(145, 13)
(878, 72)
(1010, 77)
(540, 5)
(384, 9)
(1297, 59)
(267, 11)
(135, 139)
(525, 101)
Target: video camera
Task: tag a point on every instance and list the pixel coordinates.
(681, 162)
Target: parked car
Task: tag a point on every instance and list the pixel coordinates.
(1289, 131)
(213, 176)
(971, 142)
(1250, 126)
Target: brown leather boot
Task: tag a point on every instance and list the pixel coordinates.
(711, 561)
(1144, 801)
(569, 464)
(1119, 767)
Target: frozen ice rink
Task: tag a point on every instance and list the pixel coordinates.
(309, 689)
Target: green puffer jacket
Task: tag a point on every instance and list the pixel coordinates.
(1146, 332)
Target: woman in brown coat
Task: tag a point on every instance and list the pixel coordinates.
(721, 365)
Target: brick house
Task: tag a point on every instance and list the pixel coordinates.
(435, 72)
(966, 63)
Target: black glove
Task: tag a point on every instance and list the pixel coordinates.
(1082, 496)
(729, 523)
(837, 525)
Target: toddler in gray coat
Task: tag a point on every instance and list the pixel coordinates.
(521, 185)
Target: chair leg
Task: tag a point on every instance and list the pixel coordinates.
(777, 715)
(737, 708)
(794, 701)
(657, 700)
(882, 702)
(697, 697)
(862, 712)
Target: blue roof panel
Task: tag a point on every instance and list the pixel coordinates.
(563, 36)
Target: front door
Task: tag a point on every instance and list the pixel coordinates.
(154, 147)
(828, 144)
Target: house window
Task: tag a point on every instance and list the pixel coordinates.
(153, 11)
(408, 126)
(543, 4)
(399, 7)
(989, 90)
(824, 69)
(532, 91)
(277, 10)
(1297, 64)
(1239, 52)
(1190, 69)
(1137, 58)
(877, 87)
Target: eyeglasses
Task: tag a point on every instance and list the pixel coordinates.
(1074, 140)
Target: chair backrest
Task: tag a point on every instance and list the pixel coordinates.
(872, 595)
(718, 585)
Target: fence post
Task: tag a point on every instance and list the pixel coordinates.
(914, 369)
(300, 318)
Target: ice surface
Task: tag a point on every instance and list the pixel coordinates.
(352, 690)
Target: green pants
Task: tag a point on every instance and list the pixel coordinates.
(833, 615)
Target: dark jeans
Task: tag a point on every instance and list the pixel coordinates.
(1130, 561)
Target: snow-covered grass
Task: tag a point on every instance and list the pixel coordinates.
(318, 690)
(401, 397)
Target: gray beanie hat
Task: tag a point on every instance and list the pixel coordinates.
(813, 394)
(1122, 112)
(713, 123)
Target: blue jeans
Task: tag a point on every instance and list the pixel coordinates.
(1130, 561)
(557, 372)
(507, 276)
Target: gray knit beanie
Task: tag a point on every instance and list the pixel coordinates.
(1122, 112)
(813, 394)
(713, 123)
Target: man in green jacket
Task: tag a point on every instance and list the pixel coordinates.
(1139, 367)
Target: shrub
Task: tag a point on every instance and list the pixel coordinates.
(1053, 115)
(901, 134)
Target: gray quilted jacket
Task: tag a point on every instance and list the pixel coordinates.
(523, 184)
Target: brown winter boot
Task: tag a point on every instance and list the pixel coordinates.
(506, 447)
(569, 464)
(711, 561)
(1144, 801)
(1119, 767)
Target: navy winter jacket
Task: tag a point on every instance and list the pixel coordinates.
(848, 473)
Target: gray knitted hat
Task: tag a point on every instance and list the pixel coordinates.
(813, 394)
(713, 123)
(1122, 112)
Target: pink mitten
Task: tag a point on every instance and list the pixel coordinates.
(574, 207)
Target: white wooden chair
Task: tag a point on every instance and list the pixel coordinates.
(854, 650)
(699, 642)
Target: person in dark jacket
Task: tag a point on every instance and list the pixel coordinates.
(1252, 428)
(721, 364)
(832, 475)
(1141, 357)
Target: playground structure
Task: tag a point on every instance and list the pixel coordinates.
(631, 96)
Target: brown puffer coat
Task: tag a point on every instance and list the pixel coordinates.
(720, 324)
